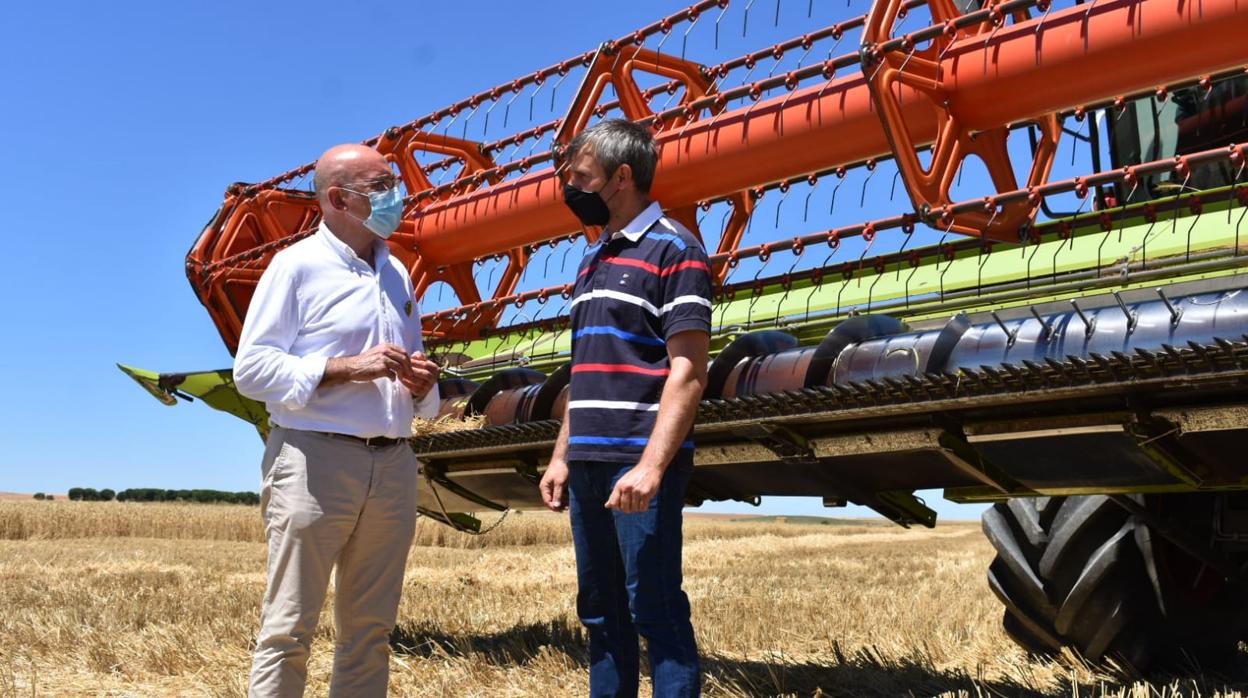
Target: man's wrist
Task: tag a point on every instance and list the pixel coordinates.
(337, 370)
(650, 466)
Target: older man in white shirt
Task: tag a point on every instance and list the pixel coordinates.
(332, 346)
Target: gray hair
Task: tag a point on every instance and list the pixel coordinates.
(616, 142)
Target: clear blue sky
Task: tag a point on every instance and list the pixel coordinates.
(123, 124)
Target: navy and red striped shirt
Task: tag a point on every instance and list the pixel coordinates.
(648, 282)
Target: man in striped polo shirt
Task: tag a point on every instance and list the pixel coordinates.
(641, 320)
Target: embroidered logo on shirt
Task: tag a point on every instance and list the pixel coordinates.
(407, 308)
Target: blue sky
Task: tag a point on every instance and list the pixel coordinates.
(122, 125)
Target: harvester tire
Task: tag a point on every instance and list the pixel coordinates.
(1082, 572)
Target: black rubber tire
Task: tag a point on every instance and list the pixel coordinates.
(1084, 573)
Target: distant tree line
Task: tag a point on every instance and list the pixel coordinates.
(152, 494)
(41, 496)
(87, 494)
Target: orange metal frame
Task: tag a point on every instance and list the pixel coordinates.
(959, 94)
(922, 70)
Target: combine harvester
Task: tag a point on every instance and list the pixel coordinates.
(1083, 370)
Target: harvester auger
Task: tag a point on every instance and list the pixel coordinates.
(1083, 370)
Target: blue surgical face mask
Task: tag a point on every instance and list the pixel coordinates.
(387, 211)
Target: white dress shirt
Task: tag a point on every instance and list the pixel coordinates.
(318, 300)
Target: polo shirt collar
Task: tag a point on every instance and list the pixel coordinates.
(381, 251)
(640, 224)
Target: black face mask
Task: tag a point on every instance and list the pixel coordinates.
(588, 206)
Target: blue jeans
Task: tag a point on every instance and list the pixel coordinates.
(628, 571)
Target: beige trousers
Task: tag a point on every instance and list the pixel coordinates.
(327, 500)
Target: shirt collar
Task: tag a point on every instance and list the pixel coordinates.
(381, 251)
(640, 224)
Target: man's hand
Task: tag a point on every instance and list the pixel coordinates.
(381, 361)
(421, 377)
(633, 492)
(554, 485)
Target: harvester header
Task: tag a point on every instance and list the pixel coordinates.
(957, 86)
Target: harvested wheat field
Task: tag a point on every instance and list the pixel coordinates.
(111, 599)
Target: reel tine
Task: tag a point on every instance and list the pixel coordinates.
(862, 199)
(785, 189)
(787, 283)
(464, 133)
(719, 19)
(555, 90)
(813, 182)
(684, 40)
(840, 173)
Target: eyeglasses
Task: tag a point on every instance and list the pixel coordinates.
(376, 184)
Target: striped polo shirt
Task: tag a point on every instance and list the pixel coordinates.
(647, 282)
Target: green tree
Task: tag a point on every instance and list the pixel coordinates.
(40, 496)
(199, 496)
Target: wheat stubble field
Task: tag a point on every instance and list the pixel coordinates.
(111, 599)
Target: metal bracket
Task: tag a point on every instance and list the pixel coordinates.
(436, 473)
(789, 445)
(1011, 336)
(963, 455)
(528, 470)
(1157, 437)
(456, 520)
(903, 508)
